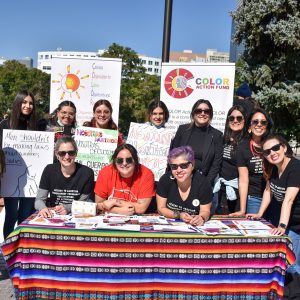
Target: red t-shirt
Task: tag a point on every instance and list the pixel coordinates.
(139, 186)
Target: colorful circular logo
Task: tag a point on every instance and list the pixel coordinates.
(176, 83)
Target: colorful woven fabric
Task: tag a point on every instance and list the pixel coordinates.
(63, 263)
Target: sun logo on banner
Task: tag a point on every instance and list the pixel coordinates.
(176, 83)
(70, 83)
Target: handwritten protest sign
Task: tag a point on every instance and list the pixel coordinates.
(152, 145)
(95, 147)
(26, 155)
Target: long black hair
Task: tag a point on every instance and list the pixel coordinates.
(16, 116)
(155, 104)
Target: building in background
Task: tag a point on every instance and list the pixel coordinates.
(152, 64)
(211, 55)
(27, 61)
(235, 50)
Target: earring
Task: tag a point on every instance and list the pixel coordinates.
(249, 130)
(172, 177)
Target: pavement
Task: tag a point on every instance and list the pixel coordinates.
(6, 290)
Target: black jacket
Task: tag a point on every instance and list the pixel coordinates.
(213, 148)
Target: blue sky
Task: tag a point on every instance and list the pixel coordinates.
(27, 27)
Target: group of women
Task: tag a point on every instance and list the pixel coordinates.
(253, 171)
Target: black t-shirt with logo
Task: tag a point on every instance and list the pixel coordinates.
(246, 158)
(229, 169)
(289, 178)
(200, 193)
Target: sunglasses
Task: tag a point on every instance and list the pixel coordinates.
(71, 153)
(261, 122)
(120, 160)
(267, 152)
(182, 166)
(199, 111)
(239, 119)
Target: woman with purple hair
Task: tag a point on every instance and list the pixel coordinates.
(184, 193)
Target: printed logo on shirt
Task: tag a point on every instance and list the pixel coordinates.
(196, 202)
(256, 163)
(277, 191)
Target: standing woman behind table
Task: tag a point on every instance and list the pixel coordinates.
(282, 192)
(22, 118)
(158, 114)
(64, 181)
(249, 162)
(183, 193)
(125, 186)
(228, 181)
(64, 120)
(205, 140)
(102, 118)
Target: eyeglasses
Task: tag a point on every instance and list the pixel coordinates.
(65, 113)
(261, 122)
(267, 152)
(71, 153)
(182, 166)
(199, 111)
(120, 160)
(239, 119)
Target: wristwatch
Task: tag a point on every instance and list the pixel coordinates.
(176, 215)
(282, 225)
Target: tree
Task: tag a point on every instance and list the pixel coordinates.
(137, 87)
(15, 77)
(270, 30)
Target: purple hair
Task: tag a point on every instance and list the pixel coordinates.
(186, 151)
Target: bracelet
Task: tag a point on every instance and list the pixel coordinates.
(202, 218)
(176, 215)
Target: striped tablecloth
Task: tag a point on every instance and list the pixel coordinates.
(65, 263)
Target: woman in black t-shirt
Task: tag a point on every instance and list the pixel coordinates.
(228, 182)
(184, 193)
(282, 192)
(249, 162)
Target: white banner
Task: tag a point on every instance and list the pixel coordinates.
(182, 84)
(95, 147)
(152, 145)
(84, 82)
(27, 153)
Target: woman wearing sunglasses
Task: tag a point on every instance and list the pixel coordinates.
(125, 186)
(183, 193)
(249, 162)
(227, 184)
(281, 194)
(205, 140)
(64, 181)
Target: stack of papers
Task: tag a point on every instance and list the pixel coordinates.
(252, 228)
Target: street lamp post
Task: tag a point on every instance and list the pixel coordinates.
(167, 30)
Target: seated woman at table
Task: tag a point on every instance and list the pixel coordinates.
(64, 181)
(125, 186)
(184, 193)
(281, 194)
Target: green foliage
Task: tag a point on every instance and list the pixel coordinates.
(137, 87)
(15, 77)
(270, 31)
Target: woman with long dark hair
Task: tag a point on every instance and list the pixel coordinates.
(102, 117)
(227, 184)
(205, 140)
(22, 117)
(282, 172)
(158, 113)
(249, 162)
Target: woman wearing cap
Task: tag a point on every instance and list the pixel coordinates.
(205, 140)
(64, 181)
(125, 186)
(183, 193)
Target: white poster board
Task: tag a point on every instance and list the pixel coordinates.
(84, 81)
(95, 147)
(27, 153)
(152, 145)
(182, 84)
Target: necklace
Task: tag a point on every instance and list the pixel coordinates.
(255, 150)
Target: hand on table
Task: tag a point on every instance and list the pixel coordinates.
(197, 220)
(185, 217)
(45, 213)
(60, 210)
(255, 217)
(237, 213)
(278, 231)
(125, 208)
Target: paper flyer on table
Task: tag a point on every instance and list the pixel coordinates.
(251, 224)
